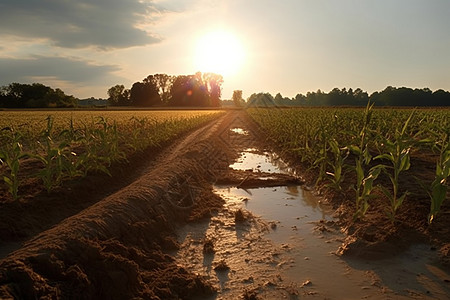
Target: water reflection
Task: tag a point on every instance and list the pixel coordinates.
(239, 131)
(292, 190)
(286, 204)
(252, 159)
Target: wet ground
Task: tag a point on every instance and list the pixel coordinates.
(281, 243)
(263, 234)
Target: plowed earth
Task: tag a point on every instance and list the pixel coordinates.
(109, 238)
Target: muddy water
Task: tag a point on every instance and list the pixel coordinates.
(283, 246)
(253, 159)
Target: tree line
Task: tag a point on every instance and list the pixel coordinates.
(18, 95)
(198, 90)
(166, 90)
(204, 90)
(390, 96)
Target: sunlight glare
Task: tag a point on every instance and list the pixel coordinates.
(219, 52)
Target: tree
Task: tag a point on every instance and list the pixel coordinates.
(299, 100)
(282, 101)
(200, 95)
(179, 92)
(237, 98)
(278, 99)
(17, 95)
(118, 95)
(361, 97)
(189, 90)
(213, 83)
(164, 83)
(440, 98)
(261, 99)
(145, 93)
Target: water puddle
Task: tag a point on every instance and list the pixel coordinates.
(289, 209)
(280, 243)
(240, 131)
(257, 161)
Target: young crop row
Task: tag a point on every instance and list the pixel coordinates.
(362, 144)
(68, 147)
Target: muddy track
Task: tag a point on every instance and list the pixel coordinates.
(113, 249)
(117, 247)
(40, 210)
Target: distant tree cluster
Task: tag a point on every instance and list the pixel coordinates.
(237, 99)
(390, 96)
(17, 95)
(166, 90)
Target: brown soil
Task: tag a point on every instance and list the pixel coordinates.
(105, 238)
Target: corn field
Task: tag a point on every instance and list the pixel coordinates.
(70, 144)
(365, 144)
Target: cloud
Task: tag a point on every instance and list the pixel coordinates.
(70, 70)
(106, 24)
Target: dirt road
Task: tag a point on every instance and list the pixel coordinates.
(133, 242)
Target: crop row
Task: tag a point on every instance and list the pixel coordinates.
(363, 144)
(69, 145)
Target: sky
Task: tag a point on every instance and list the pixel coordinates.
(287, 46)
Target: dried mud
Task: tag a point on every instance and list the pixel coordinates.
(120, 238)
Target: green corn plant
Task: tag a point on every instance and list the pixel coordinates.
(138, 134)
(438, 188)
(74, 138)
(323, 135)
(439, 185)
(321, 162)
(108, 136)
(337, 175)
(54, 157)
(54, 161)
(71, 134)
(96, 156)
(364, 181)
(11, 156)
(88, 161)
(398, 154)
(364, 194)
(114, 145)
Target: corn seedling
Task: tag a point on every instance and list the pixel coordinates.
(439, 185)
(364, 181)
(321, 162)
(11, 156)
(438, 189)
(339, 155)
(54, 158)
(398, 154)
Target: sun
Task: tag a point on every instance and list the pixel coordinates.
(219, 52)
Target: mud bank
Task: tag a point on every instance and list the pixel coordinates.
(116, 248)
